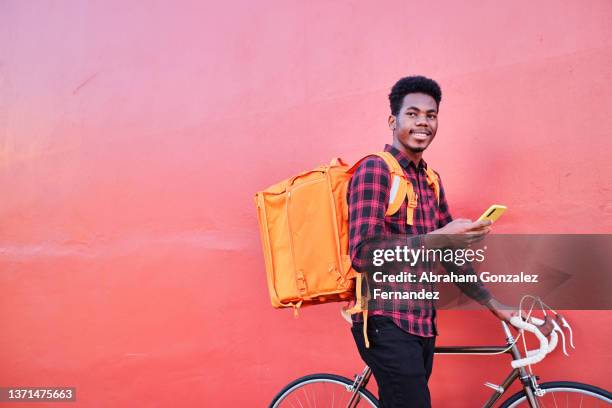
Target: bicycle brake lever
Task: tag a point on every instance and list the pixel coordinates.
(567, 326)
(558, 329)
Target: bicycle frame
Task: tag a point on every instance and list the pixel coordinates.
(529, 381)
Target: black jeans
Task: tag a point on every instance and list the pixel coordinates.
(401, 362)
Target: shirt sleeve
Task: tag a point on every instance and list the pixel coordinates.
(444, 214)
(367, 195)
(476, 290)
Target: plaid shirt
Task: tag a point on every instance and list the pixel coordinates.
(368, 198)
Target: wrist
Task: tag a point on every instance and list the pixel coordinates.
(491, 304)
(436, 239)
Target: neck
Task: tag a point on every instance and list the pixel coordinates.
(412, 155)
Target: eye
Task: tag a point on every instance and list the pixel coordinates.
(432, 116)
(411, 114)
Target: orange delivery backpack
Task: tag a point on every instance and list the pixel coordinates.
(303, 224)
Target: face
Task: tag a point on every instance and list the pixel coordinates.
(416, 123)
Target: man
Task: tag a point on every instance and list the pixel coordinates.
(402, 335)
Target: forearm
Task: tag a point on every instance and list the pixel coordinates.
(475, 290)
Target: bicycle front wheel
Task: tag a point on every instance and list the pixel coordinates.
(564, 394)
(322, 390)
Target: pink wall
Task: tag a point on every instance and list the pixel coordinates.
(133, 136)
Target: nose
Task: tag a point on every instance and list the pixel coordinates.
(421, 120)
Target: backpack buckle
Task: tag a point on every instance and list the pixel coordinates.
(301, 283)
(412, 203)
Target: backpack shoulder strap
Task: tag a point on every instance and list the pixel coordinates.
(433, 181)
(400, 187)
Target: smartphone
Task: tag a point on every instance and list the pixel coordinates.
(493, 213)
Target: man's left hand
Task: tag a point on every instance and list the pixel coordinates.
(503, 312)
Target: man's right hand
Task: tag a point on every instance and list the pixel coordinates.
(463, 232)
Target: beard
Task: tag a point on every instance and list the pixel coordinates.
(410, 144)
(416, 149)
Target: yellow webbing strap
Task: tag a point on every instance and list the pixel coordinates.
(296, 307)
(405, 189)
(365, 328)
(433, 181)
(412, 204)
(396, 172)
(397, 176)
(358, 308)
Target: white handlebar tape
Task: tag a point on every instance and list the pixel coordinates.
(536, 355)
(552, 342)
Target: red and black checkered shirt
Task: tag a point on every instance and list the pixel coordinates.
(368, 198)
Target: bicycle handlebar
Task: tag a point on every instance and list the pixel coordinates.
(536, 355)
(534, 325)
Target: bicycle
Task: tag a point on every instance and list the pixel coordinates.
(331, 390)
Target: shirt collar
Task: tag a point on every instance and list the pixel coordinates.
(403, 160)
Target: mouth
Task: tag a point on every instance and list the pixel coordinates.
(420, 135)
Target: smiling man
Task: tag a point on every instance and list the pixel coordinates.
(402, 333)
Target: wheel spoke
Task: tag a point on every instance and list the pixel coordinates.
(576, 395)
(321, 392)
(554, 399)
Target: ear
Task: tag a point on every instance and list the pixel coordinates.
(392, 122)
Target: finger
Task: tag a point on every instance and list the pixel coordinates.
(476, 234)
(472, 238)
(478, 239)
(481, 224)
(484, 231)
(471, 229)
(462, 220)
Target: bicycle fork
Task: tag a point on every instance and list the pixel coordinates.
(360, 381)
(529, 381)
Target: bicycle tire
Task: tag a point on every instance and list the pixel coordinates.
(292, 389)
(557, 387)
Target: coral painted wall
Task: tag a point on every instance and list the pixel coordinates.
(133, 136)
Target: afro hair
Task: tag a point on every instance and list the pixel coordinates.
(413, 84)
